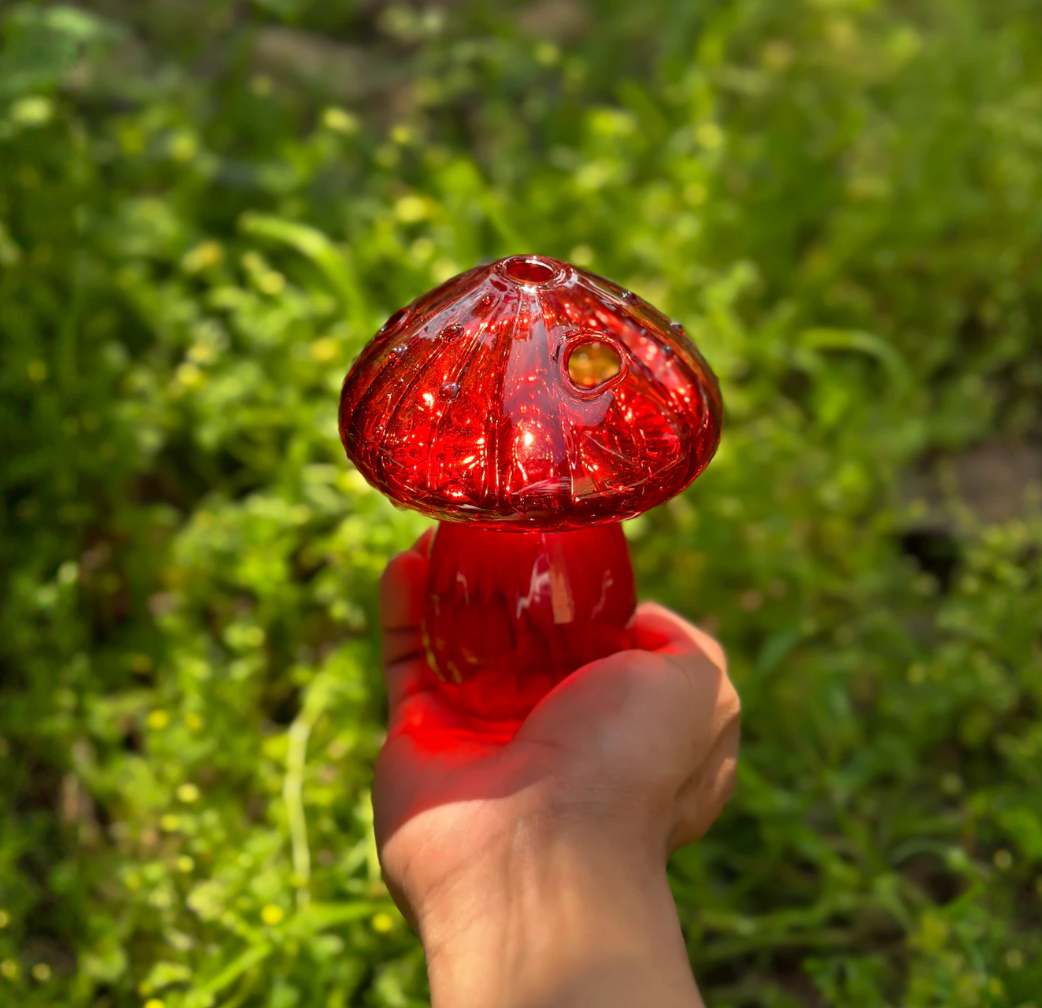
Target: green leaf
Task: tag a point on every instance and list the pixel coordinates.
(163, 974)
(334, 263)
(42, 44)
(860, 342)
(322, 916)
(774, 650)
(233, 970)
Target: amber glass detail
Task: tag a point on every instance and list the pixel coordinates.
(591, 364)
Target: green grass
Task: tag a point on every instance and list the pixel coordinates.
(841, 200)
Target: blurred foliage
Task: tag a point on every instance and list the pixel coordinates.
(841, 200)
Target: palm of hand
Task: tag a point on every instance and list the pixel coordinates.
(640, 746)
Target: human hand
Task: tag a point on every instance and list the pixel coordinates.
(531, 857)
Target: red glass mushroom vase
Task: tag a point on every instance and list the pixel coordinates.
(529, 406)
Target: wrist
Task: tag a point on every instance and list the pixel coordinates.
(558, 923)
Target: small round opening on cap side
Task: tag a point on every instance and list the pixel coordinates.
(591, 363)
(531, 270)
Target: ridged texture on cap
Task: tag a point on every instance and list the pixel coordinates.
(462, 406)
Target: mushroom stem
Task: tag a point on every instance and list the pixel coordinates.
(508, 615)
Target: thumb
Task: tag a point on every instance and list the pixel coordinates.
(654, 709)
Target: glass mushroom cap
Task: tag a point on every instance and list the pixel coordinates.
(530, 395)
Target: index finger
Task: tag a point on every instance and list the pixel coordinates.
(663, 631)
(401, 610)
(697, 656)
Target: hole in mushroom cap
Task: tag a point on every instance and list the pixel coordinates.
(530, 270)
(592, 363)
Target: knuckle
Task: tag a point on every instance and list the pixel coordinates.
(730, 700)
